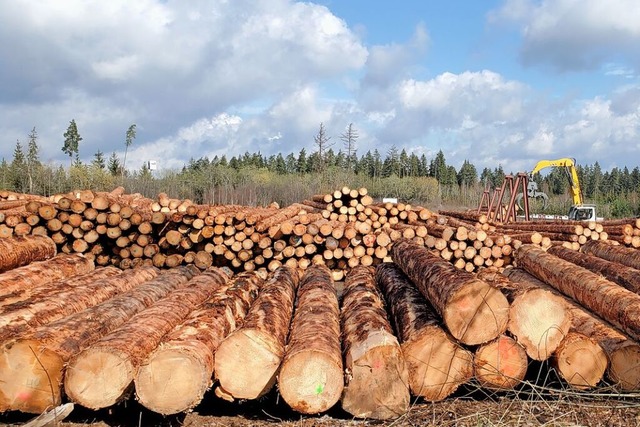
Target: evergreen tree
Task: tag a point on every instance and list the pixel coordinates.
(18, 167)
(349, 138)
(322, 142)
(467, 176)
(71, 140)
(128, 140)
(114, 164)
(33, 158)
(290, 163)
(391, 164)
(301, 163)
(438, 167)
(99, 161)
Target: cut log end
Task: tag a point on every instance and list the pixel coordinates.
(30, 376)
(501, 364)
(580, 361)
(98, 378)
(171, 381)
(624, 368)
(248, 349)
(540, 322)
(476, 313)
(311, 382)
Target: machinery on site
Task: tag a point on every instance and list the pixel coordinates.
(579, 210)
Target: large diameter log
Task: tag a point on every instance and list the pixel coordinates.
(100, 375)
(437, 364)
(311, 378)
(473, 311)
(608, 300)
(623, 352)
(500, 364)
(580, 361)
(175, 376)
(247, 361)
(377, 380)
(621, 274)
(620, 254)
(31, 367)
(97, 287)
(538, 318)
(19, 251)
(37, 273)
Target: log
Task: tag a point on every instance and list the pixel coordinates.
(500, 364)
(40, 272)
(623, 353)
(178, 372)
(538, 318)
(31, 367)
(311, 376)
(247, 361)
(621, 274)
(377, 380)
(620, 254)
(101, 375)
(473, 311)
(608, 300)
(437, 364)
(18, 251)
(580, 361)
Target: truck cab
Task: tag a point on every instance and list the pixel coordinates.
(583, 213)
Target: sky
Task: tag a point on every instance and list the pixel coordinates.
(498, 82)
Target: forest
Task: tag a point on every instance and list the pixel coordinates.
(256, 179)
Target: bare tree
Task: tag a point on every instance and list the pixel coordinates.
(349, 138)
(322, 141)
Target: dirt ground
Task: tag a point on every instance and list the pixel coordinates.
(469, 407)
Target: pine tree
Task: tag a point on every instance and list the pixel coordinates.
(18, 167)
(322, 141)
(71, 140)
(114, 164)
(349, 138)
(33, 157)
(99, 161)
(129, 137)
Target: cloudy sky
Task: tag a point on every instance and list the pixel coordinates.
(499, 82)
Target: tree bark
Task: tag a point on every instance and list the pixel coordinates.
(377, 380)
(473, 311)
(175, 376)
(18, 251)
(247, 361)
(31, 367)
(620, 254)
(437, 364)
(311, 377)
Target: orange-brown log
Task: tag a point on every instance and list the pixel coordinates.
(580, 361)
(500, 364)
(620, 254)
(247, 361)
(437, 364)
(377, 380)
(311, 377)
(18, 251)
(31, 367)
(178, 372)
(473, 311)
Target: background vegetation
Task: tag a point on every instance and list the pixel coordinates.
(257, 179)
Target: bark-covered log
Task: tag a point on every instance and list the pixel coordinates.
(19, 251)
(623, 352)
(620, 254)
(473, 311)
(538, 318)
(101, 375)
(580, 361)
(38, 273)
(179, 371)
(500, 364)
(621, 274)
(437, 364)
(311, 378)
(247, 361)
(31, 367)
(377, 380)
(610, 301)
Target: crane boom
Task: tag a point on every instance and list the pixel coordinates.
(570, 167)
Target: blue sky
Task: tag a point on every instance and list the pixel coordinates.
(500, 82)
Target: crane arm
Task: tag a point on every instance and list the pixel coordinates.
(570, 166)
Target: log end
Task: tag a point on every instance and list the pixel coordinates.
(311, 382)
(98, 378)
(539, 321)
(501, 364)
(171, 380)
(580, 361)
(476, 313)
(30, 377)
(437, 364)
(377, 384)
(624, 367)
(246, 363)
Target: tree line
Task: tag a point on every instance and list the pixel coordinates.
(255, 178)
